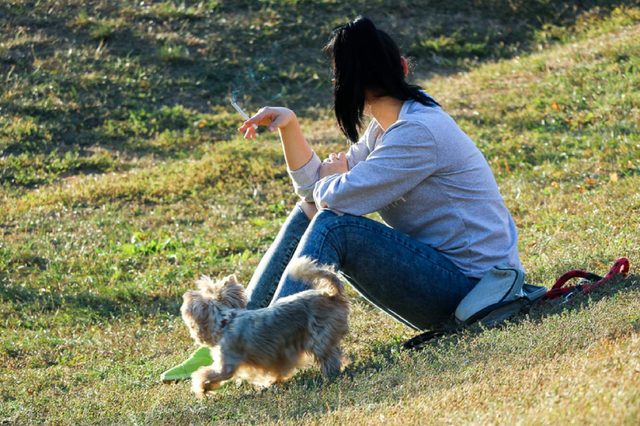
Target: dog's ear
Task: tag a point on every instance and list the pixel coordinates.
(230, 279)
(207, 285)
(227, 292)
(232, 293)
(194, 307)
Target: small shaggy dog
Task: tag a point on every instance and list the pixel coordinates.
(264, 346)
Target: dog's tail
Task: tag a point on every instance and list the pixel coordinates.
(319, 277)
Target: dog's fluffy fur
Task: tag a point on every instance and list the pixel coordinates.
(264, 346)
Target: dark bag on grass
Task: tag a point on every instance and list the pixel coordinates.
(499, 295)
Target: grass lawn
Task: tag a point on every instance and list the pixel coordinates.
(122, 180)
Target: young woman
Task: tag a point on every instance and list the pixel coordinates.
(446, 223)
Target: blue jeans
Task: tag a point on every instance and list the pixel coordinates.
(405, 278)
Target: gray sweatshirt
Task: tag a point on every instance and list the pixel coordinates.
(427, 179)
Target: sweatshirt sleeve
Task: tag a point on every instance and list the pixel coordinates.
(306, 177)
(405, 157)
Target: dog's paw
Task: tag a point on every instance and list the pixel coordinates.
(198, 389)
(200, 383)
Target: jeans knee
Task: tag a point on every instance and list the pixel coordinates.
(324, 220)
(330, 227)
(325, 239)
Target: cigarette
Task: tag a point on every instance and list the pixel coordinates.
(241, 112)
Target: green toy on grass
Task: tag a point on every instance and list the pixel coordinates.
(200, 358)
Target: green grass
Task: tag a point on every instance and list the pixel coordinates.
(122, 179)
(90, 79)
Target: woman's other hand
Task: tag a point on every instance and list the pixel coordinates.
(335, 164)
(271, 117)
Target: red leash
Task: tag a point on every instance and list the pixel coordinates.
(620, 267)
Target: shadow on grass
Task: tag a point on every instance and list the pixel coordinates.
(268, 56)
(84, 306)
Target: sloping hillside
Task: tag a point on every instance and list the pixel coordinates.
(92, 86)
(121, 184)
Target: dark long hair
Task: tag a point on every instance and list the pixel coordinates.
(366, 58)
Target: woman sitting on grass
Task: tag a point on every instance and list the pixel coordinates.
(446, 222)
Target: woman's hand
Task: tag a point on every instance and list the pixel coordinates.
(272, 117)
(335, 164)
(297, 151)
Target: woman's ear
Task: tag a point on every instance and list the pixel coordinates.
(405, 66)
